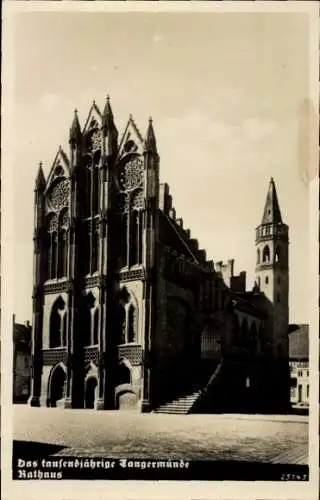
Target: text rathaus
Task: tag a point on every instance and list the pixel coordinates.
(127, 311)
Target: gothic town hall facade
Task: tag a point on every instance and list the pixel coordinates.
(128, 313)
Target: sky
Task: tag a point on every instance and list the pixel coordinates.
(225, 91)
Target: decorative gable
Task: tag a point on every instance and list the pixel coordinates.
(132, 140)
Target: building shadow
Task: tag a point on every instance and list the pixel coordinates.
(30, 450)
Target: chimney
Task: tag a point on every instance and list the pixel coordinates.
(180, 222)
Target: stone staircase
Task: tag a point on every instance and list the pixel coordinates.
(182, 405)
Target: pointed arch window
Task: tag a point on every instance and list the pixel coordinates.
(64, 329)
(49, 273)
(86, 326)
(96, 326)
(95, 189)
(121, 323)
(131, 205)
(94, 251)
(133, 237)
(139, 236)
(62, 254)
(58, 325)
(277, 257)
(123, 240)
(54, 251)
(131, 337)
(133, 257)
(83, 246)
(92, 173)
(266, 254)
(88, 321)
(258, 256)
(127, 322)
(57, 243)
(88, 191)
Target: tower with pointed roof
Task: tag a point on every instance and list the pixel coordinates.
(272, 278)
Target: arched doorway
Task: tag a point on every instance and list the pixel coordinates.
(58, 378)
(91, 389)
(126, 400)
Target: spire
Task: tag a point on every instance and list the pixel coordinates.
(150, 141)
(75, 130)
(40, 179)
(272, 212)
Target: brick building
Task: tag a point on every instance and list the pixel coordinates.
(127, 310)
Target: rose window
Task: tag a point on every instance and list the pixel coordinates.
(59, 194)
(131, 175)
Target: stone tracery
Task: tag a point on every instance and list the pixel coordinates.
(131, 174)
(59, 194)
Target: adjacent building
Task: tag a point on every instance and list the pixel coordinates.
(299, 365)
(21, 361)
(128, 312)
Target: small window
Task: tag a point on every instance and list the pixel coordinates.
(267, 280)
(308, 391)
(279, 280)
(266, 254)
(293, 382)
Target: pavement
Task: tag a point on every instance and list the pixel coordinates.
(126, 434)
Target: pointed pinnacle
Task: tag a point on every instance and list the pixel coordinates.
(75, 130)
(40, 179)
(150, 141)
(107, 116)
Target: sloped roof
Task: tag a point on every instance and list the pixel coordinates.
(21, 333)
(172, 236)
(271, 213)
(298, 341)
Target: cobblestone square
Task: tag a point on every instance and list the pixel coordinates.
(255, 438)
